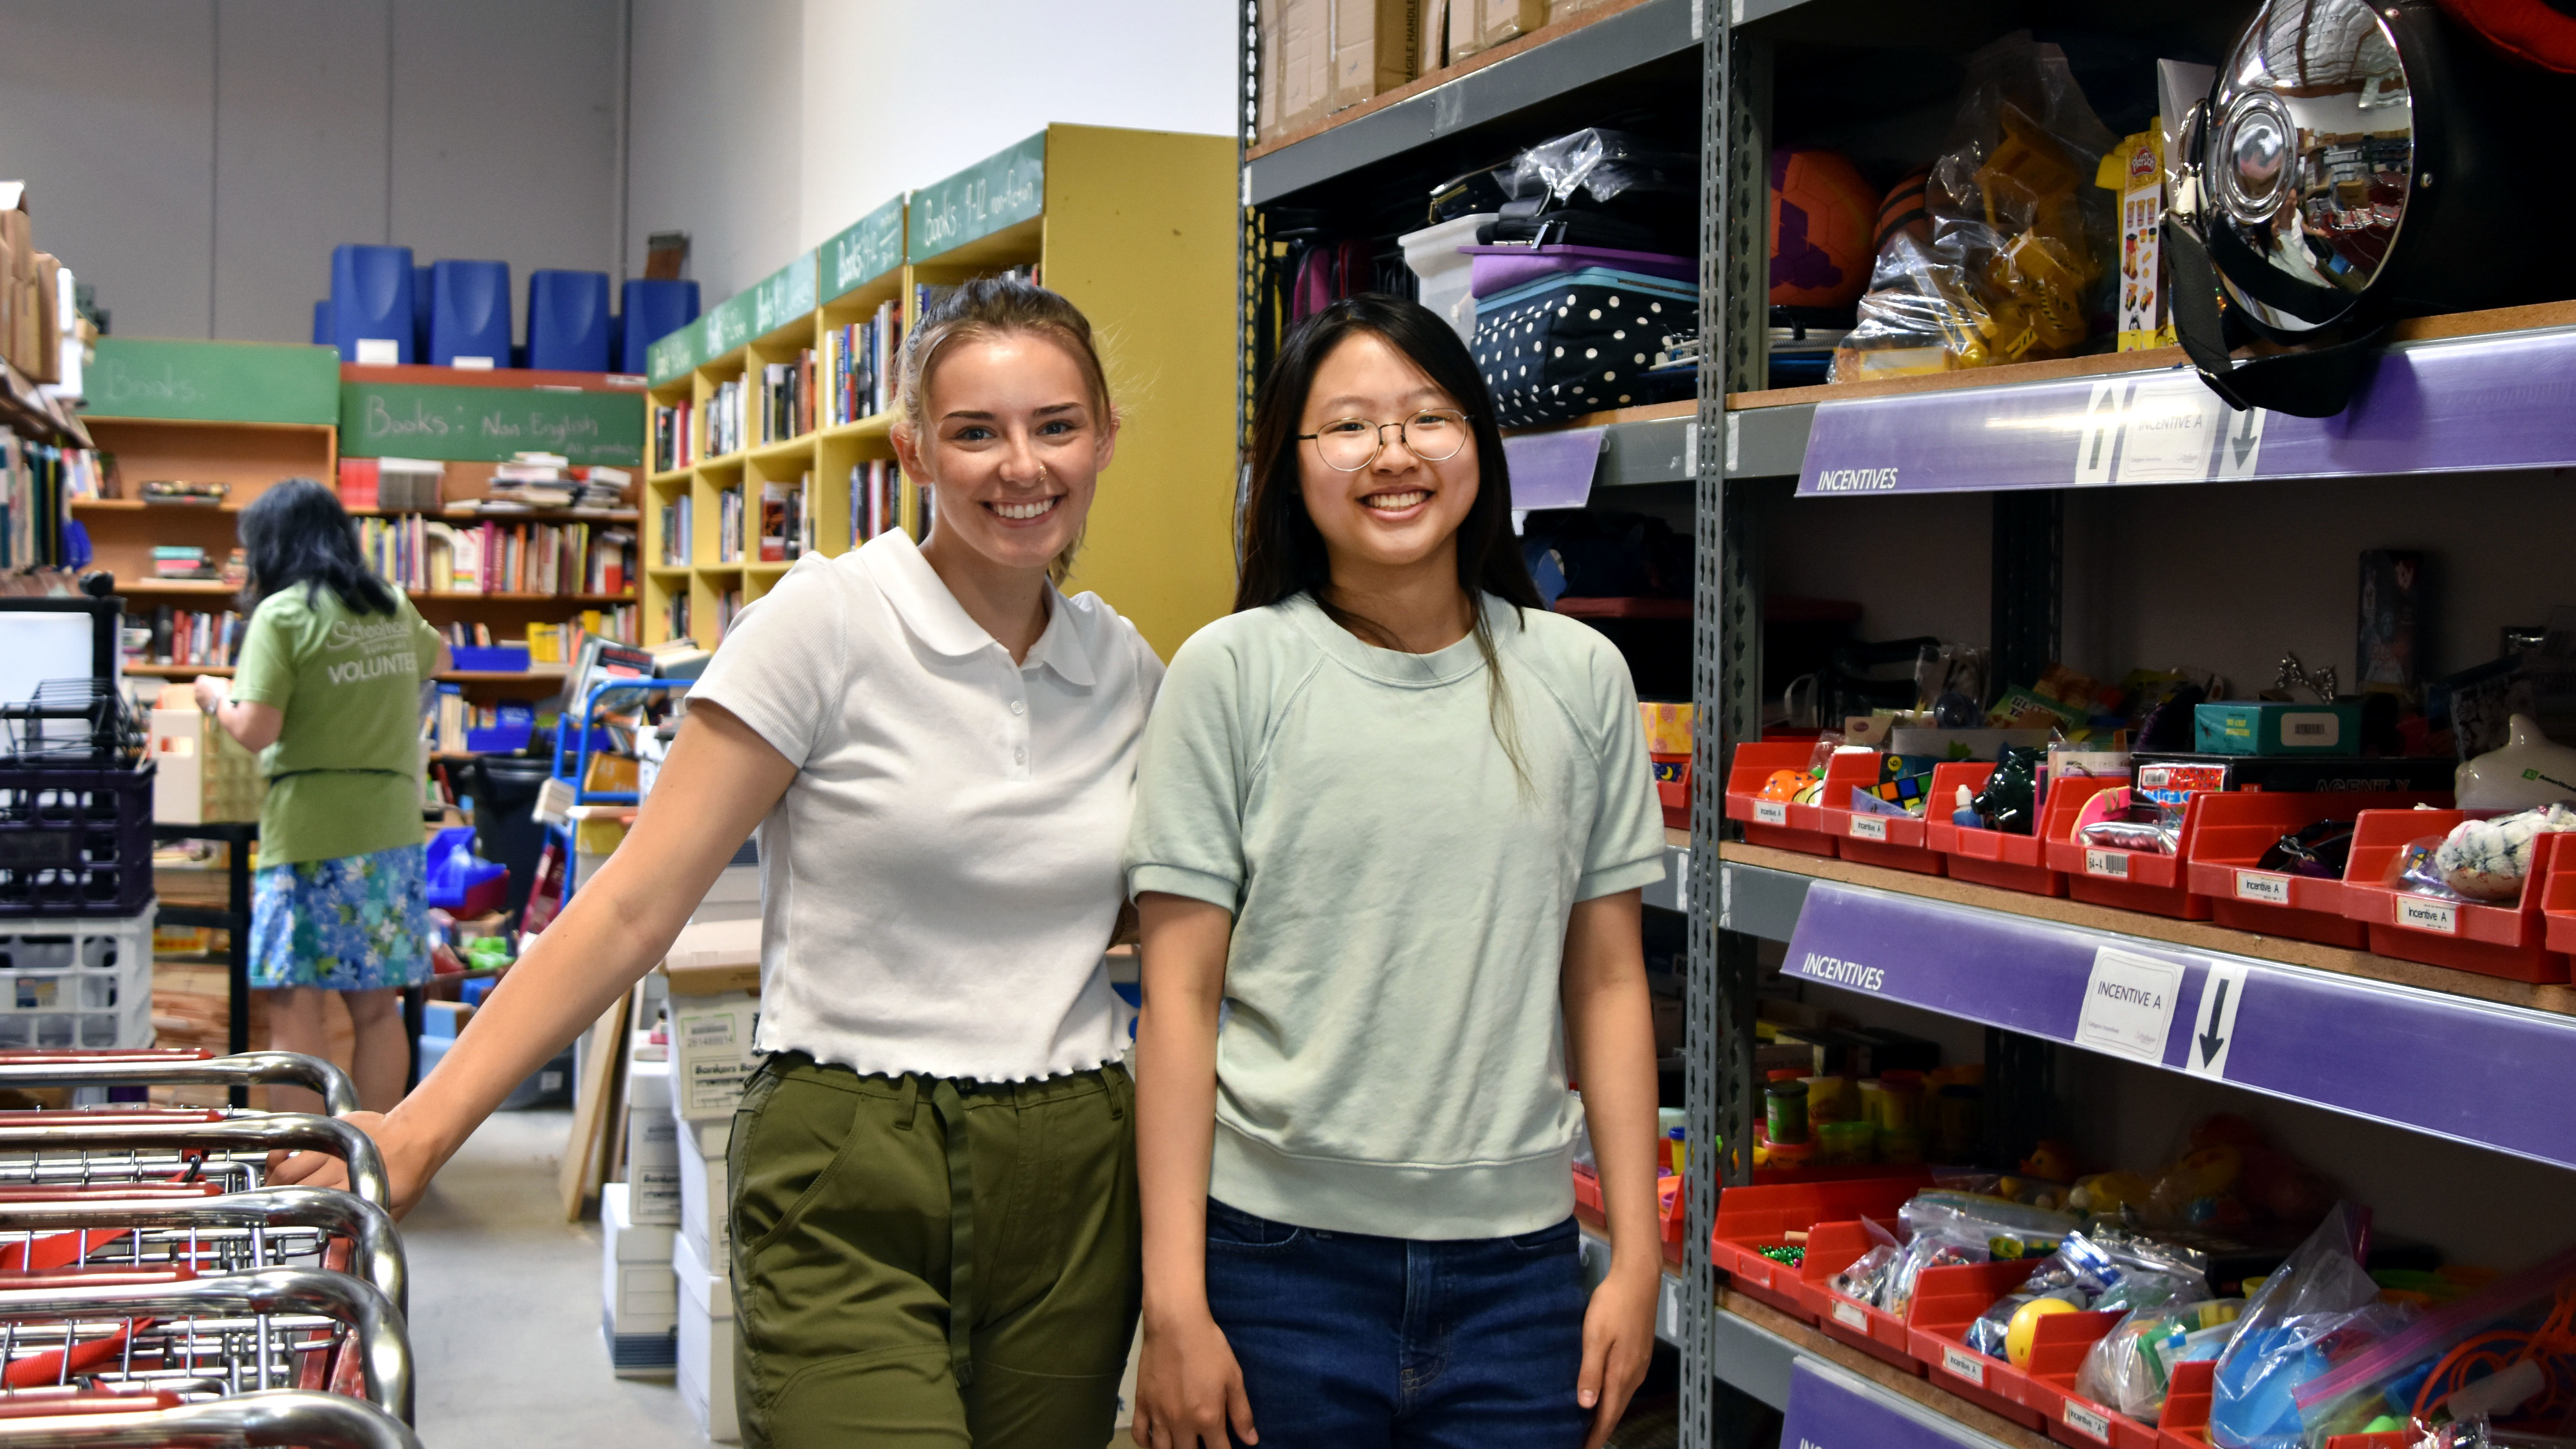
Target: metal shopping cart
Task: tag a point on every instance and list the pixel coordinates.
(154, 1291)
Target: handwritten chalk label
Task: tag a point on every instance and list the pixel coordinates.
(2113, 863)
(2088, 1421)
(2129, 1005)
(1959, 1363)
(1851, 1315)
(1869, 827)
(2423, 914)
(1771, 812)
(2263, 886)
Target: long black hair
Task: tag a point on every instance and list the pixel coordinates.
(1283, 553)
(297, 533)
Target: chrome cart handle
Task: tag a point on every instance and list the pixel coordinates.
(384, 1344)
(280, 1132)
(268, 1419)
(376, 1252)
(248, 1069)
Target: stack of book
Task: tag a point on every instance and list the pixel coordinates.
(428, 556)
(200, 495)
(677, 516)
(196, 637)
(876, 499)
(174, 562)
(786, 520)
(674, 445)
(787, 398)
(549, 480)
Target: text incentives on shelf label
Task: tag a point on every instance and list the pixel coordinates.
(1869, 827)
(2213, 1027)
(2263, 886)
(2129, 1005)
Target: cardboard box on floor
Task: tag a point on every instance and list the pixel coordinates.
(714, 973)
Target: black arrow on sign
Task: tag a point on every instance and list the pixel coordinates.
(2211, 1043)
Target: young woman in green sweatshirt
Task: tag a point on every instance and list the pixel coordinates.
(1394, 817)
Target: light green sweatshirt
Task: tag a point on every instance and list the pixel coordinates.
(1393, 1059)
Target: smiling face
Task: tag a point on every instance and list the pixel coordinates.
(1401, 513)
(1012, 442)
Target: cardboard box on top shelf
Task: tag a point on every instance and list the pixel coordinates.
(44, 350)
(1476, 25)
(1377, 46)
(1301, 72)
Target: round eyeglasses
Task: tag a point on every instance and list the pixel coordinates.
(1348, 445)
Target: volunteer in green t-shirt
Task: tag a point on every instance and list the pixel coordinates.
(328, 689)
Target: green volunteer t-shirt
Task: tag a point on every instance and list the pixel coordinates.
(344, 775)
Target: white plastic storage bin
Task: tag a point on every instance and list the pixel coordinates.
(1442, 270)
(76, 983)
(706, 1192)
(640, 1291)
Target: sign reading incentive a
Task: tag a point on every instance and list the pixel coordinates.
(489, 424)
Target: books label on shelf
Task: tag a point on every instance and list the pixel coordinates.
(2129, 1005)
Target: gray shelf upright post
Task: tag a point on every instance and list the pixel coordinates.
(1725, 676)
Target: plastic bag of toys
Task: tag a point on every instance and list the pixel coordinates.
(2131, 1367)
(1945, 1227)
(2503, 1356)
(2118, 1271)
(2013, 268)
(2318, 1308)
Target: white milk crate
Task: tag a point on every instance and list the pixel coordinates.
(71, 982)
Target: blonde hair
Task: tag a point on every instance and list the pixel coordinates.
(991, 307)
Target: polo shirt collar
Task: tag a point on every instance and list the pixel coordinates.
(934, 616)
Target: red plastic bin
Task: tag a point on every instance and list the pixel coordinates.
(1774, 823)
(1987, 857)
(2185, 1421)
(2057, 1349)
(2237, 827)
(1946, 1301)
(2558, 904)
(1752, 1218)
(2507, 939)
(2133, 880)
(1671, 1195)
(1895, 841)
(1832, 1247)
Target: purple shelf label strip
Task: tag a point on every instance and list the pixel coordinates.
(2472, 404)
(2496, 1076)
(1828, 1410)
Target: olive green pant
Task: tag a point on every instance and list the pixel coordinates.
(846, 1254)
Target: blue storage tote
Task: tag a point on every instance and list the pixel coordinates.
(568, 321)
(469, 312)
(653, 310)
(322, 323)
(371, 299)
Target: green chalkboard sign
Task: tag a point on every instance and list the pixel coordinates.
(1001, 190)
(728, 325)
(872, 247)
(224, 382)
(783, 296)
(489, 424)
(674, 354)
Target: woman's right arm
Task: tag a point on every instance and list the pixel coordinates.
(1188, 1385)
(720, 780)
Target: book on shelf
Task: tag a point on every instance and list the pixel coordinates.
(183, 637)
(786, 520)
(787, 398)
(425, 555)
(854, 365)
(724, 421)
(728, 604)
(674, 442)
(677, 517)
(675, 615)
(729, 525)
(876, 499)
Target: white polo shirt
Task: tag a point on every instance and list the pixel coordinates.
(938, 883)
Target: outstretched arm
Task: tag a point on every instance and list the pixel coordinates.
(720, 780)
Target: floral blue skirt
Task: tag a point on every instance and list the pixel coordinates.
(352, 923)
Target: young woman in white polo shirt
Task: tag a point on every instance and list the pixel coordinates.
(940, 750)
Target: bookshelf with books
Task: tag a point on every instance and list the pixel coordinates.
(1135, 227)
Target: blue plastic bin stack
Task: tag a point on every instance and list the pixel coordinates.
(568, 321)
(372, 300)
(469, 313)
(652, 311)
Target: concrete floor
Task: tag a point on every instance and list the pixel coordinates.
(505, 1304)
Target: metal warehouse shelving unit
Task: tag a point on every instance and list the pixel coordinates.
(2472, 1059)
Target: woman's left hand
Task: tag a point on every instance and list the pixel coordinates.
(212, 693)
(1618, 1341)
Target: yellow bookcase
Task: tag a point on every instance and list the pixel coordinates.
(1134, 227)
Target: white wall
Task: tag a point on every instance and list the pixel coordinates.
(769, 128)
(196, 160)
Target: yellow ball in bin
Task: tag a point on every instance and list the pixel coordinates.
(2025, 1327)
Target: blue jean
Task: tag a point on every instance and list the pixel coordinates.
(1355, 1342)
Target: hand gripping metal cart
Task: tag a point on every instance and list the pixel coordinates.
(154, 1290)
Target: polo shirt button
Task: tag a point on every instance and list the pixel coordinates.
(1019, 707)
(1020, 756)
